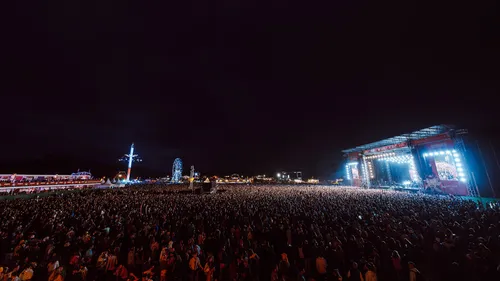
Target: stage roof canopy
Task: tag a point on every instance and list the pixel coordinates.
(420, 134)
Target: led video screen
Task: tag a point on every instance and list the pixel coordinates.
(446, 167)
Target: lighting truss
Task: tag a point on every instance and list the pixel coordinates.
(420, 134)
(370, 170)
(348, 169)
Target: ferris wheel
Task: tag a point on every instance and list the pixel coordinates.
(177, 170)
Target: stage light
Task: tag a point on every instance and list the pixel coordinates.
(406, 182)
(448, 152)
(454, 151)
(461, 174)
(460, 169)
(441, 153)
(463, 179)
(458, 164)
(457, 160)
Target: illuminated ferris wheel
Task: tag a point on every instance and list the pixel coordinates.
(177, 170)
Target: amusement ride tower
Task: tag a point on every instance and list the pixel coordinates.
(130, 158)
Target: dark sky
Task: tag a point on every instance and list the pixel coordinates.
(238, 86)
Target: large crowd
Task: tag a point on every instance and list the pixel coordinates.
(248, 233)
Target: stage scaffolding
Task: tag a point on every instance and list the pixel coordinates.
(439, 139)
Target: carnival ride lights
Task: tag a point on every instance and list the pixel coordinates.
(456, 157)
(130, 158)
(347, 169)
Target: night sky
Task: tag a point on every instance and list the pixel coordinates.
(238, 86)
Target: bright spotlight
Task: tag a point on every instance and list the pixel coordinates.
(463, 179)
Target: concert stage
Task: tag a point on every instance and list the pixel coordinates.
(431, 159)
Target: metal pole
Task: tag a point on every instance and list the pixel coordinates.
(495, 154)
(475, 184)
(485, 169)
(389, 175)
(365, 172)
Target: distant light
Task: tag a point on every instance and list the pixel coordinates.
(441, 153)
(279, 175)
(406, 182)
(460, 169)
(463, 179)
(461, 174)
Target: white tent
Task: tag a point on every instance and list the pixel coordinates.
(107, 184)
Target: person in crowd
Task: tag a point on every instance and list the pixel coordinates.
(194, 267)
(321, 265)
(336, 276)
(370, 274)
(354, 274)
(414, 272)
(284, 267)
(81, 273)
(396, 264)
(209, 269)
(26, 274)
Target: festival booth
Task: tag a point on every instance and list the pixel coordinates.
(430, 159)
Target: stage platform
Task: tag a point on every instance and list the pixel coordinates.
(398, 188)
